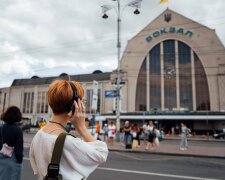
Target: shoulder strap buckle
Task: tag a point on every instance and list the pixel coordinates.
(53, 170)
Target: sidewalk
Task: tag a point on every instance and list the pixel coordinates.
(174, 149)
(167, 148)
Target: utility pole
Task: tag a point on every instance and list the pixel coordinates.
(105, 8)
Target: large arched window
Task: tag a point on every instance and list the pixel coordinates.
(172, 67)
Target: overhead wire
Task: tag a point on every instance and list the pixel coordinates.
(125, 53)
(79, 43)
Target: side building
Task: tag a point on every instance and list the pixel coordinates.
(30, 95)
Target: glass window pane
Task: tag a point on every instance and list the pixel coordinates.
(39, 102)
(32, 102)
(202, 91)
(42, 102)
(99, 101)
(169, 74)
(141, 104)
(89, 101)
(155, 78)
(46, 102)
(24, 102)
(185, 77)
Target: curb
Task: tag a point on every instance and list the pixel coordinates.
(203, 140)
(168, 154)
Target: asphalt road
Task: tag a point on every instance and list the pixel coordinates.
(140, 166)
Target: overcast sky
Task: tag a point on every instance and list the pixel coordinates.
(50, 37)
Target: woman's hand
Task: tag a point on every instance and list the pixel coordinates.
(78, 118)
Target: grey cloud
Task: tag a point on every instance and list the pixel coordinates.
(55, 36)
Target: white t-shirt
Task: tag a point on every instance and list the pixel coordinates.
(78, 160)
(145, 129)
(150, 128)
(111, 130)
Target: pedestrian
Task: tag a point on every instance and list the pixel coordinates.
(98, 130)
(151, 136)
(127, 135)
(111, 133)
(136, 135)
(184, 136)
(172, 130)
(158, 135)
(11, 145)
(105, 129)
(145, 132)
(80, 157)
(42, 123)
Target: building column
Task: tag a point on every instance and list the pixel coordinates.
(193, 81)
(162, 77)
(102, 98)
(148, 81)
(35, 103)
(177, 75)
(21, 99)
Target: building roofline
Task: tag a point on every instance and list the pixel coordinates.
(168, 26)
(47, 80)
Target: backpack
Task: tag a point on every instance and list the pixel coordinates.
(187, 132)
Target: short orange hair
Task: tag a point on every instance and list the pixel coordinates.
(60, 95)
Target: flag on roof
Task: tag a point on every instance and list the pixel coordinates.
(164, 1)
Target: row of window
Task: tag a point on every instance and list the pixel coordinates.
(28, 102)
(42, 102)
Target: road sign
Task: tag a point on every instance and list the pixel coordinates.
(110, 94)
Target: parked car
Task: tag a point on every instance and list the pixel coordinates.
(220, 135)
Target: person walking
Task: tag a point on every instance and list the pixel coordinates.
(184, 136)
(80, 156)
(98, 130)
(11, 145)
(172, 130)
(111, 133)
(136, 135)
(151, 136)
(105, 129)
(145, 132)
(127, 135)
(42, 123)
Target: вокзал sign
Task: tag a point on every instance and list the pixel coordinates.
(170, 30)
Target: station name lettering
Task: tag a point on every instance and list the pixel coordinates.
(163, 31)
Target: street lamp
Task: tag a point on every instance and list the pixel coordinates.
(105, 8)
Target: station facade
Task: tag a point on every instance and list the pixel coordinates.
(173, 70)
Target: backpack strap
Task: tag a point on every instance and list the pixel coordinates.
(53, 167)
(58, 148)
